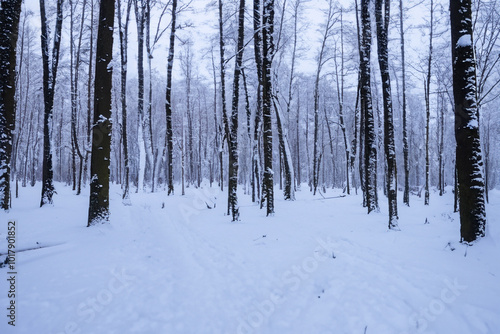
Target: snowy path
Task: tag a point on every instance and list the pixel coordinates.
(318, 266)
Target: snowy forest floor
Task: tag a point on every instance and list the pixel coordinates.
(172, 265)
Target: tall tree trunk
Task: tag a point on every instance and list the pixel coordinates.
(389, 143)
(123, 35)
(218, 132)
(233, 139)
(370, 147)
(89, 91)
(10, 12)
(168, 100)
(361, 112)
(296, 7)
(225, 120)
(406, 193)
(297, 144)
(487, 150)
(149, 110)
(441, 145)
(257, 30)
(340, 97)
(101, 132)
(469, 158)
(49, 82)
(267, 57)
(75, 66)
(427, 85)
(321, 61)
(145, 117)
(187, 68)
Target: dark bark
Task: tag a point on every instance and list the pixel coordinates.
(10, 13)
(233, 139)
(123, 35)
(288, 189)
(406, 193)
(225, 120)
(469, 158)
(360, 111)
(427, 85)
(257, 27)
(168, 100)
(297, 144)
(267, 56)
(75, 71)
(340, 97)
(101, 132)
(140, 7)
(49, 82)
(370, 147)
(441, 146)
(382, 20)
(296, 7)
(321, 61)
(89, 90)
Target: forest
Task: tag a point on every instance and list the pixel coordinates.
(157, 115)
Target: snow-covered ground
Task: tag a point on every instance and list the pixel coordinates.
(172, 265)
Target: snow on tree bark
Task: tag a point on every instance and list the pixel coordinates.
(321, 61)
(370, 147)
(406, 194)
(256, 171)
(101, 131)
(10, 12)
(233, 139)
(75, 71)
(267, 56)
(427, 86)
(145, 117)
(50, 66)
(168, 100)
(389, 143)
(123, 35)
(288, 190)
(225, 121)
(469, 161)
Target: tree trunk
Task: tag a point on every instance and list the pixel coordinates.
(326, 33)
(101, 132)
(257, 30)
(168, 100)
(89, 91)
(469, 158)
(389, 143)
(267, 57)
(10, 13)
(123, 35)
(340, 96)
(233, 139)
(427, 106)
(49, 82)
(406, 193)
(145, 117)
(74, 97)
(370, 147)
(289, 190)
